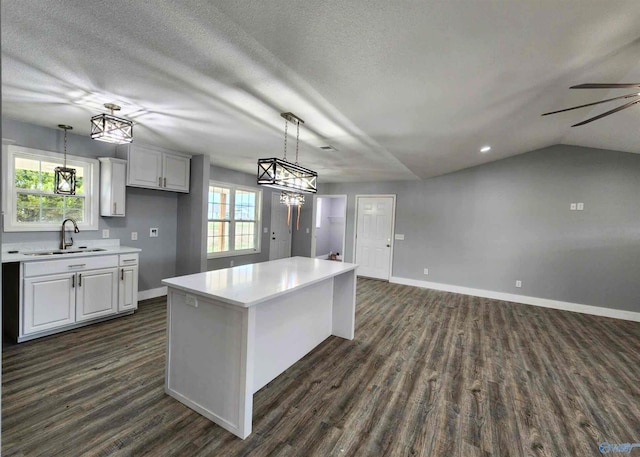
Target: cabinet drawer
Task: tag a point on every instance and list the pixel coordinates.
(128, 259)
(69, 265)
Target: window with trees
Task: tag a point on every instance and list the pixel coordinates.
(233, 220)
(30, 203)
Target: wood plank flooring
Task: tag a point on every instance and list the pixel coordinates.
(429, 374)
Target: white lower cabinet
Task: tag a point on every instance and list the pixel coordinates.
(49, 302)
(128, 288)
(62, 294)
(96, 294)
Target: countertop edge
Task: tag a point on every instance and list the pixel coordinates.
(11, 258)
(169, 283)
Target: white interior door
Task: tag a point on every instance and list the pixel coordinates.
(280, 239)
(374, 219)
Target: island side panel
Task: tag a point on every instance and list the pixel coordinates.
(288, 327)
(344, 305)
(209, 366)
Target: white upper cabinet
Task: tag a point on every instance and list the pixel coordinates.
(113, 175)
(156, 169)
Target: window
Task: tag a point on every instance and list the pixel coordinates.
(233, 220)
(30, 203)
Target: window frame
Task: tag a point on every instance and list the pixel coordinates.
(9, 202)
(232, 220)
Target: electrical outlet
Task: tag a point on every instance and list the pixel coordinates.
(105, 233)
(400, 237)
(265, 229)
(153, 233)
(191, 300)
(134, 236)
(307, 229)
(580, 206)
(426, 271)
(573, 206)
(518, 283)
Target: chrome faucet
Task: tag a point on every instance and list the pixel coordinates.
(63, 239)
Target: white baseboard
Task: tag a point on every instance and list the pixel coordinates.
(152, 293)
(524, 299)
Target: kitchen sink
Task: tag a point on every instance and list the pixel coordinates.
(61, 252)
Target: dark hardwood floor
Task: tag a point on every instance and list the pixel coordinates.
(429, 374)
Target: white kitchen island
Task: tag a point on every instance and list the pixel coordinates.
(232, 331)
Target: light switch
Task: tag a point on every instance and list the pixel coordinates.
(265, 229)
(399, 236)
(134, 236)
(307, 229)
(105, 233)
(580, 207)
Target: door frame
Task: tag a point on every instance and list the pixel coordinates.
(313, 223)
(393, 226)
(275, 195)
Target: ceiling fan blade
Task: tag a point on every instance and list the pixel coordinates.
(600, 116)
(594, 103)
(607, 86)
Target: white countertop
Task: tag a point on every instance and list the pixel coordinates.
(23, 256)
(248, 285)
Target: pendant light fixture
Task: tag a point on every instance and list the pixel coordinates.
(64, 179)
(110, 128)
(292, 199)
(283, 175)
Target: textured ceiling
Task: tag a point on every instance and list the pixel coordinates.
(402, 89)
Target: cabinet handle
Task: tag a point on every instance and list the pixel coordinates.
(73, 281)
(78, 265)
(121, 274)
(159, 181)
(115, 208)
(165, 182)
(129, 260)
(80, 280)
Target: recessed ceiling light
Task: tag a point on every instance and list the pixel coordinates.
(485, 149)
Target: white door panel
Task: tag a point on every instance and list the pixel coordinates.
(280, 239)
(373, 236)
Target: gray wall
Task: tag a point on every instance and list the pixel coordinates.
(301, 238)
(235, 177)
(145, 208)
(191, 256)
(509, 220)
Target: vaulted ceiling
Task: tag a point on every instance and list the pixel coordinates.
(400, 89)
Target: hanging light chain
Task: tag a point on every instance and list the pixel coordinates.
(65, 148)
(286, 125)
(297, 138)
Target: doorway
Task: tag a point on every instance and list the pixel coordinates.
(373, 246)
(280, 239)
(329, 227)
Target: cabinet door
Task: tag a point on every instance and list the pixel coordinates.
(145, 168)
(97, 294)
(128, 289)
(176, 172)
(118, 177)
(49, 302)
